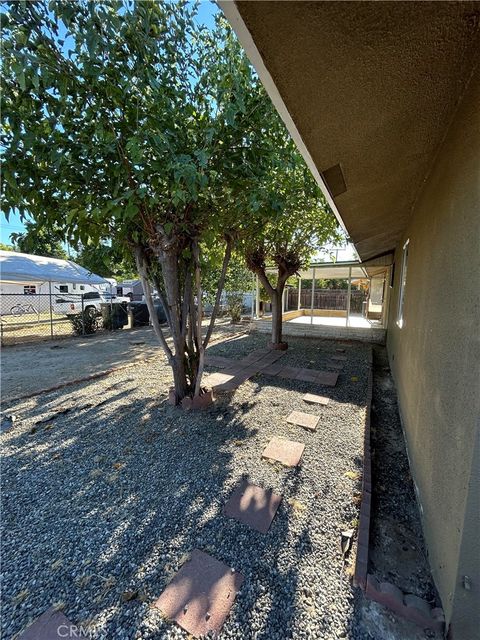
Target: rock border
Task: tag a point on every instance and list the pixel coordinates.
(387, 594)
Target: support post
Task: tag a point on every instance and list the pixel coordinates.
(257, 298)
(299, 294)
(349, 292)
(313, 297)
(253, 297)
(51, 309)
(284, 300)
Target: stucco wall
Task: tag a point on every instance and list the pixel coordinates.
(435, 359)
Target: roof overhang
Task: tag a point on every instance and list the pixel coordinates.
(367, 91)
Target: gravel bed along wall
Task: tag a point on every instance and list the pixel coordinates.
(104, 501)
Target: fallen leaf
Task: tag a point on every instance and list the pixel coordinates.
(353, 475)
(118, 465)
(296, 504)
(21, 596)
(129, 595)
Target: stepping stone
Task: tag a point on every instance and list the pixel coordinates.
(335, 365)
(340, 350)
(302, 419)
(327, 378)
(253, 506)
(307, 375)
(287, 452)
(273, 369)
(51, 625)
(289, 372)
(340, 358)
(314, 399)
(216, 379)
(201, 594)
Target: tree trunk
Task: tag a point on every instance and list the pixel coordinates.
(276, 299)
(179, 377)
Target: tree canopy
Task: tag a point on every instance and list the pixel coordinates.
(40, 240)
(129, 123)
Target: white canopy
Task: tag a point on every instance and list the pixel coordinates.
(23, 267)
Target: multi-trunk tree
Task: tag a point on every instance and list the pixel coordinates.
(127, 123)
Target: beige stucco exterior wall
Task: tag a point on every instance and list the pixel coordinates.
(435, 359)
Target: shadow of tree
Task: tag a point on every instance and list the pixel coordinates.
(111, 496)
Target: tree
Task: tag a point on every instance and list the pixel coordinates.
(106, 260)
(6, 247)
(291, 223)
(237, 282)
(40, 240)
(127, 122)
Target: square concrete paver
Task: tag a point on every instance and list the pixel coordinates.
(335, 365)
(327, 378)
(253, 506)
(314, 399)
(288, 452)
(302, 419)
(50, 626)
(201, 594)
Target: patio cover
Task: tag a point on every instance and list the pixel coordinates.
(24, 268)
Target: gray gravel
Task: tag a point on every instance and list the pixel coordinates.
(111, 495)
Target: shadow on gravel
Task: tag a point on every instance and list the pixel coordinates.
(99, 503)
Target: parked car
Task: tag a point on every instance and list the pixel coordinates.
(92, 301)
(141, 316)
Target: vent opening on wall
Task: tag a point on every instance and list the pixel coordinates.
(335, 180)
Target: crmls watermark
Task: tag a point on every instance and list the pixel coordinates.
(72, 631)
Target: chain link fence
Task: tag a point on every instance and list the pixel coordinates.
(30, 317)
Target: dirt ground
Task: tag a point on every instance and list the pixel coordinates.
(29, 368)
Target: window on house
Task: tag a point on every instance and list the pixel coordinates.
(30, 290)
(63, 288)
(403, 283)
(74, 286)
(82, 288)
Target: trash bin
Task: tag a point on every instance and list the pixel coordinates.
(114, 315)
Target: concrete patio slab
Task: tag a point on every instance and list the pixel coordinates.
(302, 419)
(288, 452)
(201, 594)
(253, 506)
(51, 625)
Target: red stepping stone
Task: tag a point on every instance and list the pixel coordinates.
(272, 369)
(335, 365)
(302, 419)
(201, 594)
(288, 452)
(52, 625)
(307, 375)
(253, 506)
(314, 399)
(289, 372)
(327, 378)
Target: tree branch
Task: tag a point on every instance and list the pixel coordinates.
(221, 282)
(142, 272)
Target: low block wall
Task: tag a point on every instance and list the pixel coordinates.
(372, 334)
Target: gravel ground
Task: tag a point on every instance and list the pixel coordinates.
(29, 368)
(111, 495)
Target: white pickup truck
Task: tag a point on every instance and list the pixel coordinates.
(70, 304)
